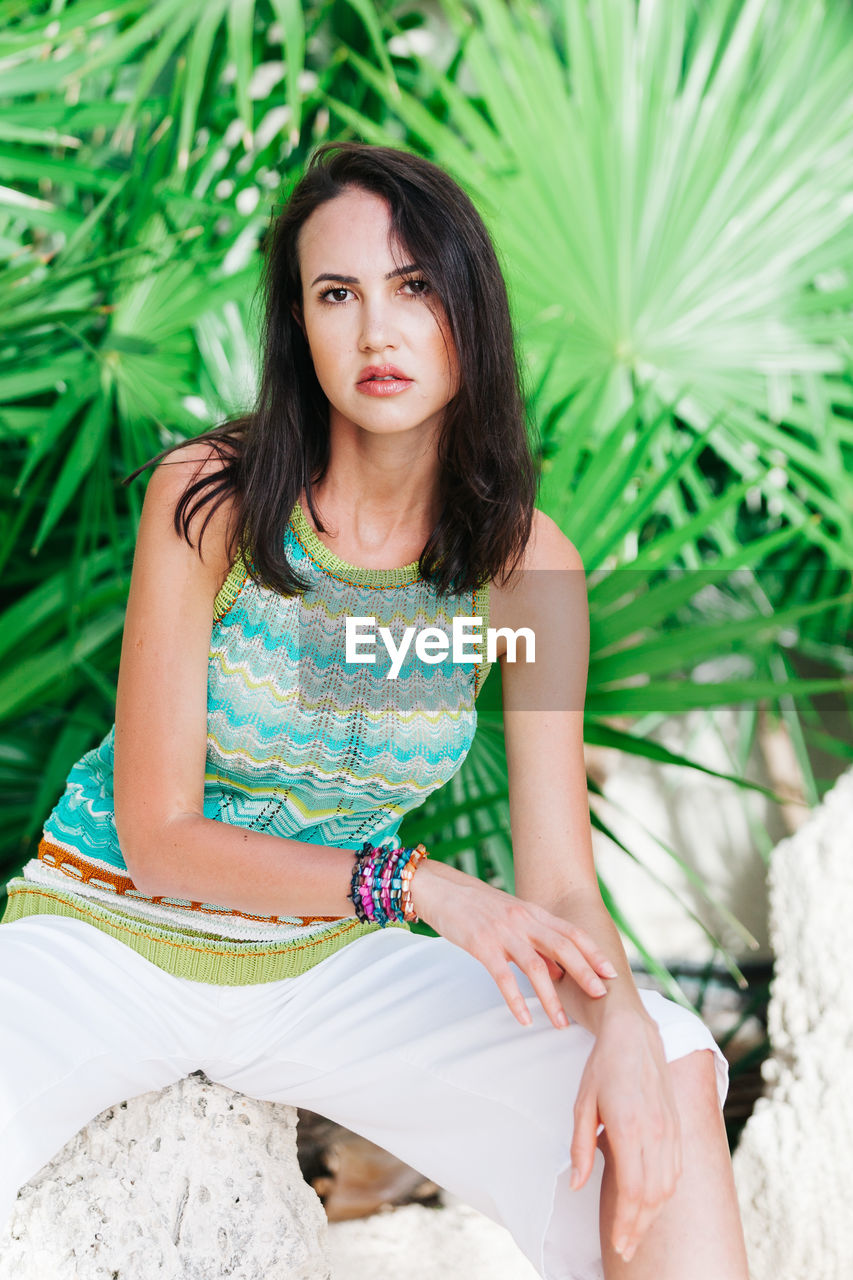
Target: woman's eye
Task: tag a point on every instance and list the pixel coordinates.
(339, 289)
(424, 283)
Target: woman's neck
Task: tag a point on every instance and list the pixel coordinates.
(363, 529)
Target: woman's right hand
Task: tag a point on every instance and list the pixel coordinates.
(497, 928)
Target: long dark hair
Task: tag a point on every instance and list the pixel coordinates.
(488, 475)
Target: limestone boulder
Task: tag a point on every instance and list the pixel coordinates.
(794, 1161)
(191, 1182)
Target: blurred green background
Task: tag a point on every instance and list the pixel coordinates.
(669, 187)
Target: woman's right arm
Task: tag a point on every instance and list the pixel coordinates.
(169, 847)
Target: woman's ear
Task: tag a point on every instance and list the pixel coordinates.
(296, 311)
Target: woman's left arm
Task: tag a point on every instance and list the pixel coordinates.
(625, 1085)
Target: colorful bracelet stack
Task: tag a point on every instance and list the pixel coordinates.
(381, 883)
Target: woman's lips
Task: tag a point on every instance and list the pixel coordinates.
(383, 387)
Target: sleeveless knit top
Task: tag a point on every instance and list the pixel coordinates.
(300, 744)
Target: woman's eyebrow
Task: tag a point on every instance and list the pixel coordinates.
(400, 271)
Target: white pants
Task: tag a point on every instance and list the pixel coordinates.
(402, 1038)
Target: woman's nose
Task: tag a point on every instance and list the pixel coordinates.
(377, 326)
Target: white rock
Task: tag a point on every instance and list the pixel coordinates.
(191, 1182)
(794, 1161)
(452, 1243)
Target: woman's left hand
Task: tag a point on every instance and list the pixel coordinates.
(625, 1086)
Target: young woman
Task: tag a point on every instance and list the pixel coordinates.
(221, 886)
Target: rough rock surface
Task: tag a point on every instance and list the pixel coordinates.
(452, 1243)
(793, 1163)
(191, 1182)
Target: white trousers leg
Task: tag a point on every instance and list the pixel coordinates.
(85, 1022)
(402, 1038)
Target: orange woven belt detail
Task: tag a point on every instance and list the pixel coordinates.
(77, 868)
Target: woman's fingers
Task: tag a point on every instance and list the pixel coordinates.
(647, 1170)
(531, 963)
(539, 969)
(630, 1190)
(558, 946)
(509, 989)
(523, 933)
(597, 959)
(583, 1138)
(572, 961)
(555, 971)
(662, 1163)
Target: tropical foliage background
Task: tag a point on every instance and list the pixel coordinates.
(669, 186)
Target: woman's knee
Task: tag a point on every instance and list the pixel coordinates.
(694, 1078)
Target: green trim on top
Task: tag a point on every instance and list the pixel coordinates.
(185, 952)
(355, 574)
(230, 589)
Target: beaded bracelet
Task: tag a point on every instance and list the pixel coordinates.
(377, 885)
(381, 879)
(418, 854)
(362, 875)
(413, 860)
(355, 891)
(373, 882)
(380, 886)
(395, 883)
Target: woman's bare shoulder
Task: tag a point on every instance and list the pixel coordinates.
(547, 548)
(171, 479)
(530, 595)
(191, 460)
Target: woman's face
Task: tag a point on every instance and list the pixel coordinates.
(360, 313)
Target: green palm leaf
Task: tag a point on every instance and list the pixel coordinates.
(685, 210)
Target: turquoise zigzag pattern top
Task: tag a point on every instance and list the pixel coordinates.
(300, 744)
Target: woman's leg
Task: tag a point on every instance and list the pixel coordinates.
(407, 1040)
(85, 1022)
(698, 1233)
